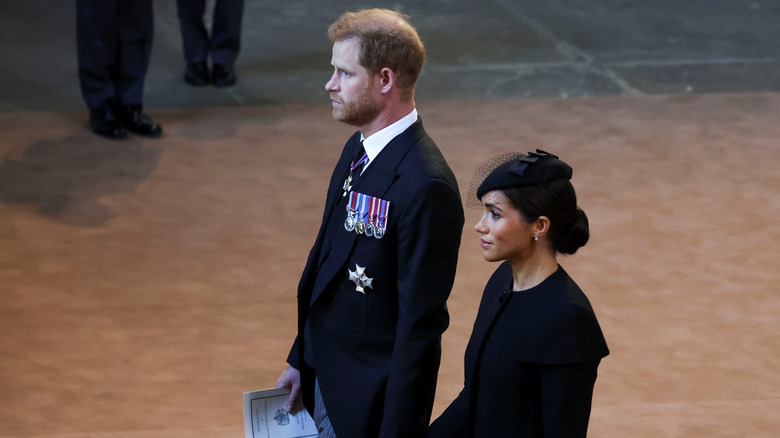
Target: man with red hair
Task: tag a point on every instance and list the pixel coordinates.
(372, 297)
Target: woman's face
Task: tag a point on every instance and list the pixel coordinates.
(504, 235)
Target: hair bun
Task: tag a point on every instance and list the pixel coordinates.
(578, 234)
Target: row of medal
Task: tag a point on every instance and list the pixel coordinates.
(366, 215)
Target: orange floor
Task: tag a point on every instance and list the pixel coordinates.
(145, 284)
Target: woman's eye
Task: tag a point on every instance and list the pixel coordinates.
(495, 215)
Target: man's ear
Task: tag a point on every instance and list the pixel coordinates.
(386, 80)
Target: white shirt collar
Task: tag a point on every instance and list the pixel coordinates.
(377, 141)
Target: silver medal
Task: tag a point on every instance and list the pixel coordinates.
(349, 223)
(347, 184)
(361, 280)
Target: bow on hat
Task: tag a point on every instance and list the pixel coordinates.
(525, 170)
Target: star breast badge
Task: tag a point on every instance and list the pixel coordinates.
(358, 276)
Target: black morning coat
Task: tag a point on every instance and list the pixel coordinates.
(377, 353)
(530, 364)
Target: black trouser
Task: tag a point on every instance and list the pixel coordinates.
(114, 40)
(225, 39)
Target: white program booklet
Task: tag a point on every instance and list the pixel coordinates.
(265, 416)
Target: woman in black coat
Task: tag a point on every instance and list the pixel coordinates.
(531, 362)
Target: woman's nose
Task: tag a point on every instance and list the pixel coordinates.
(479, 227)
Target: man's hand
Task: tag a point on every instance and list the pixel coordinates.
(291, 379)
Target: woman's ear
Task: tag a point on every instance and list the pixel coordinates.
(541, 226)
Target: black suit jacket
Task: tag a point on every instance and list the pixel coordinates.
(377, 354)
(530, 364)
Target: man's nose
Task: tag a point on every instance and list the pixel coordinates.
(331, 84)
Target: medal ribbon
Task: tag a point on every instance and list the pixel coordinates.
(369, 210)
(372, 211)
(352, 201)
(363, 206)
(355, 165)
(384, 207)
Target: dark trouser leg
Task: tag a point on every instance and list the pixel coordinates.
(194, 36)
(97, 42)
(226, 31)
(136, 29)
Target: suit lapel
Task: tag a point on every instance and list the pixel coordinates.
(332, 199)
(380, 175)
(375, 181)
(342, 168)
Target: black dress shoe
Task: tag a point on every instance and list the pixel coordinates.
(197, 74)
(223, 75)
(135, 120)
(103, 121)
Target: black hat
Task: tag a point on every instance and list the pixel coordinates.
(525, 170)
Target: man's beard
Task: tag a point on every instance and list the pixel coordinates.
(360, 111)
